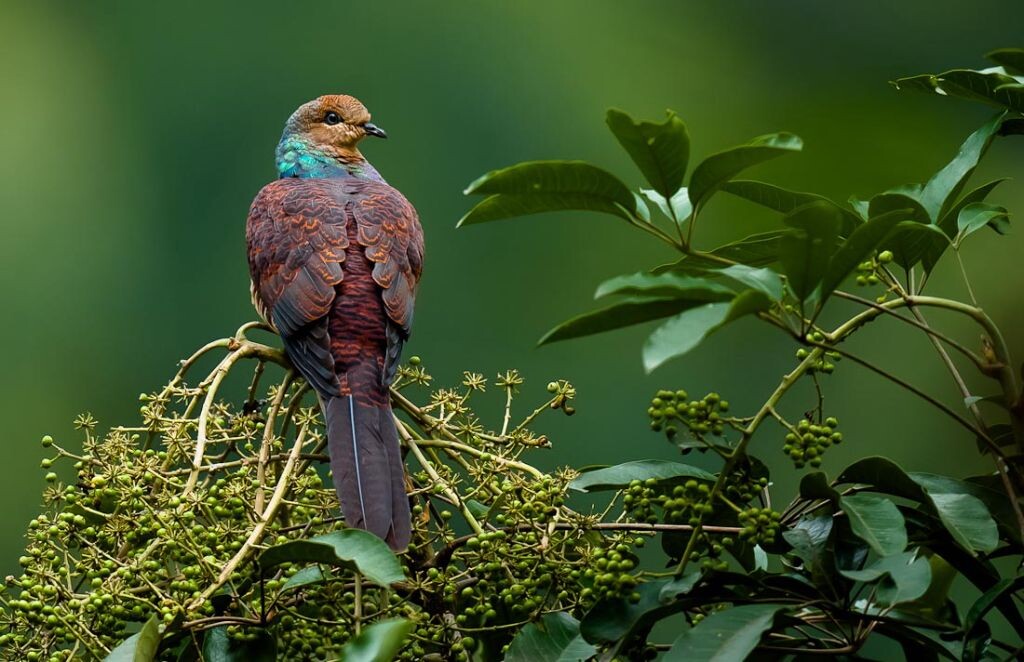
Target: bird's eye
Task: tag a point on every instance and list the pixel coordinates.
(332, 118)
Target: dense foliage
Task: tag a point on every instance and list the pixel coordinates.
(208, 532)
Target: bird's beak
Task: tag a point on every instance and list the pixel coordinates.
(374, 130)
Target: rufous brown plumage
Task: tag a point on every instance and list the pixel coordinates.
(335, 255)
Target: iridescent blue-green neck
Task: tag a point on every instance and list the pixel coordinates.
(296, 158)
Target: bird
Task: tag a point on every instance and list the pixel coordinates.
(335, 256)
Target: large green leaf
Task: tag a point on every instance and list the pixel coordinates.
(678, 206)
(310, 575)
(353, 549)
(784, 200)
(765, 280)
(993, 86)
(724, 636)
(942, 189)
(540, 186)
(948, 222)
(977, 215)
(806, 250)
(661, 151)
(140, 647)
(757, 250)
(808, 538)
(219, 647)
(1011, 59)
(911, 242)
(679, 586)
(770, 195)
(686, 330)
(613, 619)
(674, 285)
(815, 485)
(857, 248)
(956, 503)
(719, 168)
(963, 514)
(555, 638)
(901, 577)
(379, 642)
(624, 313)
(1002, 591)
(621, 475)
(900, 198)
(877, 521)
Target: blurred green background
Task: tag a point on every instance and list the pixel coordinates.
(135, 135)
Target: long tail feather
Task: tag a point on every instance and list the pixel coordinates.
(369, 474)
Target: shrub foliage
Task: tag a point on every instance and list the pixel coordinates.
(206, 531)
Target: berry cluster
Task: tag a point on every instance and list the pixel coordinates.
(869, 269)
(669, 409)
(759, 525)
(826, 362)
(808, 442)
(610, 573)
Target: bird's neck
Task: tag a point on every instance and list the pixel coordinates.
(295, 158)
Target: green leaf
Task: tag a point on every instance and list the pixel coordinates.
(613, 619)
(877, 521)
(808, 536)
(541, 186)
(949, 219)
(140, 647)
(219, 647)
(992, 86)
(977, 215)
(379, 642)
(815, 485)
(902, 577)
(621, 475)
(857, 248)
(660, 151)
(679, 586)
(678, 206)
(757, 250)
(672, 285)
(556, 638)
(964, 515)
(724, 636)
(884, 475)
(624, 313)
(966, 519)
(353, 549)
(1011, 59)
(805, 251)
(784, 200)
(1003, 590)
(311, 575)
(770, 195)
(719, 168)
(942, 189)
(901, 199)
(911, 242)
(686, 330)
(765, 280)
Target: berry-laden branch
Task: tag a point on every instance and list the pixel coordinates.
(167, 517)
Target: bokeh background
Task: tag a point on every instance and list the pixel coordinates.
(134, 136)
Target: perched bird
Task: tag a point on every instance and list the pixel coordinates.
(335, 255)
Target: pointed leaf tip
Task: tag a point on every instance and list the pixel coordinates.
(660, 151)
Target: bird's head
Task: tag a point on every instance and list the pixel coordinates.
(325, 132)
